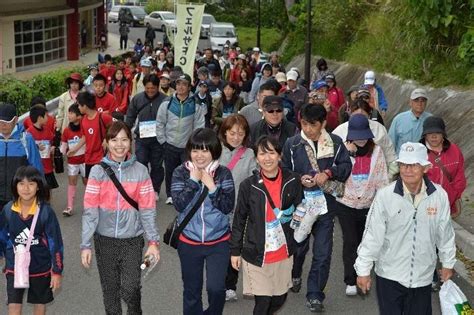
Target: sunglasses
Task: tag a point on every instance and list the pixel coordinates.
(272, 111)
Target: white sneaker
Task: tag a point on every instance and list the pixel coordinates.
(169, 201)
(351, 290)
(230, 296)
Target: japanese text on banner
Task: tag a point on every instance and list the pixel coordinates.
(188, 20)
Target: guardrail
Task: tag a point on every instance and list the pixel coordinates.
(51, 106)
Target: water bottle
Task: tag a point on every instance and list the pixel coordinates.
(148, 261)
(298, 215)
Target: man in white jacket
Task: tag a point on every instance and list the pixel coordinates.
(408, 221)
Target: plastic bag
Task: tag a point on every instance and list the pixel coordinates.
(453, 301)
(316, 205)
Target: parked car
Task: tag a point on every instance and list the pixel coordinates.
(207, 20)
(220, 33)
(161, 20)
(132, 15)
(114, 14)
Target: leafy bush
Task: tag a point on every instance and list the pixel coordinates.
(427, 40)
(245, 13)
(159, 5)
(270, 38)
(48, 85)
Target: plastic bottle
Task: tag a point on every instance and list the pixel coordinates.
(148, 261)
(298, 215)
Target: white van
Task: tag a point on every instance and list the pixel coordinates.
(220, 33)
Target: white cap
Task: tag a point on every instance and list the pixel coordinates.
(145, 63)
(413, 153)
(165, 75)
(280, 77)
(256, 49)
(292, 75)
(242, 56)
(369, 78)
(418, 93)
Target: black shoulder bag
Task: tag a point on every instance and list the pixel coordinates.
(173, 230)
(110, 172)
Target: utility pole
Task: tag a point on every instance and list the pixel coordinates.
(258, 24)
(307, 60)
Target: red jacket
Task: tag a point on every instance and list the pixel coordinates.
(120, 92)
(336, 98)
(453, 161)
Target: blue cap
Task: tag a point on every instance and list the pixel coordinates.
(316, 85)
(359, 128)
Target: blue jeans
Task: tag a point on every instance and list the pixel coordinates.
(149, 150)
(216, 258)
(322, 251)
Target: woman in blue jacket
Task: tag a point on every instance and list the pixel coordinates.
(204, 240)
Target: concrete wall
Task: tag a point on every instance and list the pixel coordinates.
(454, 106)
(7, 47)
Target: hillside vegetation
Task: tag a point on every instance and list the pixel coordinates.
(431, 41)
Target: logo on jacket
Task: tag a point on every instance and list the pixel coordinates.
(431, 210)
(22, 238)
(91, 131)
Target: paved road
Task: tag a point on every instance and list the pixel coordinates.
(162, 290)
(139, 32)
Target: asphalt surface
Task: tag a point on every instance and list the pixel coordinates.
(162, 289)
(139, 32)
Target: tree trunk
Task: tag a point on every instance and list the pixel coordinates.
(289, 4)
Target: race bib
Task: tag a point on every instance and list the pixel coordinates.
(315, 202)
(147, 129)
(225, 115)
(44, 147)
(274, 236)
(72, 143)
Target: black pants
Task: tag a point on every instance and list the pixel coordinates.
(149, 150)
(352, 223)
(123, 41)
(395, 299)
(118, 261)
(232, 278)
(268, 305)
(173, 158)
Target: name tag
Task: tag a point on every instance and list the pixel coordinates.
(71, 143)
(147, 129)
(44, 148)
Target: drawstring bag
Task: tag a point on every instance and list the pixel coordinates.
(453, 301)
(23, 259)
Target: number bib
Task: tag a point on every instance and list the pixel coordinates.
(147, 129)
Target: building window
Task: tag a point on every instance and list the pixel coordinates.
(39, 41)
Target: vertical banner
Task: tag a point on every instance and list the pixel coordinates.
(188, 21)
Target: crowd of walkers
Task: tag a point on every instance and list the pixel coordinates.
(260, 158)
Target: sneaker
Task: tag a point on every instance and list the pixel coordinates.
(169, 201)
(230, 296)
(351, 290)
(296, 285)
(315, 306)
(67, 212)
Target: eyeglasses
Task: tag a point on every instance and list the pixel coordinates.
(275, 111)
